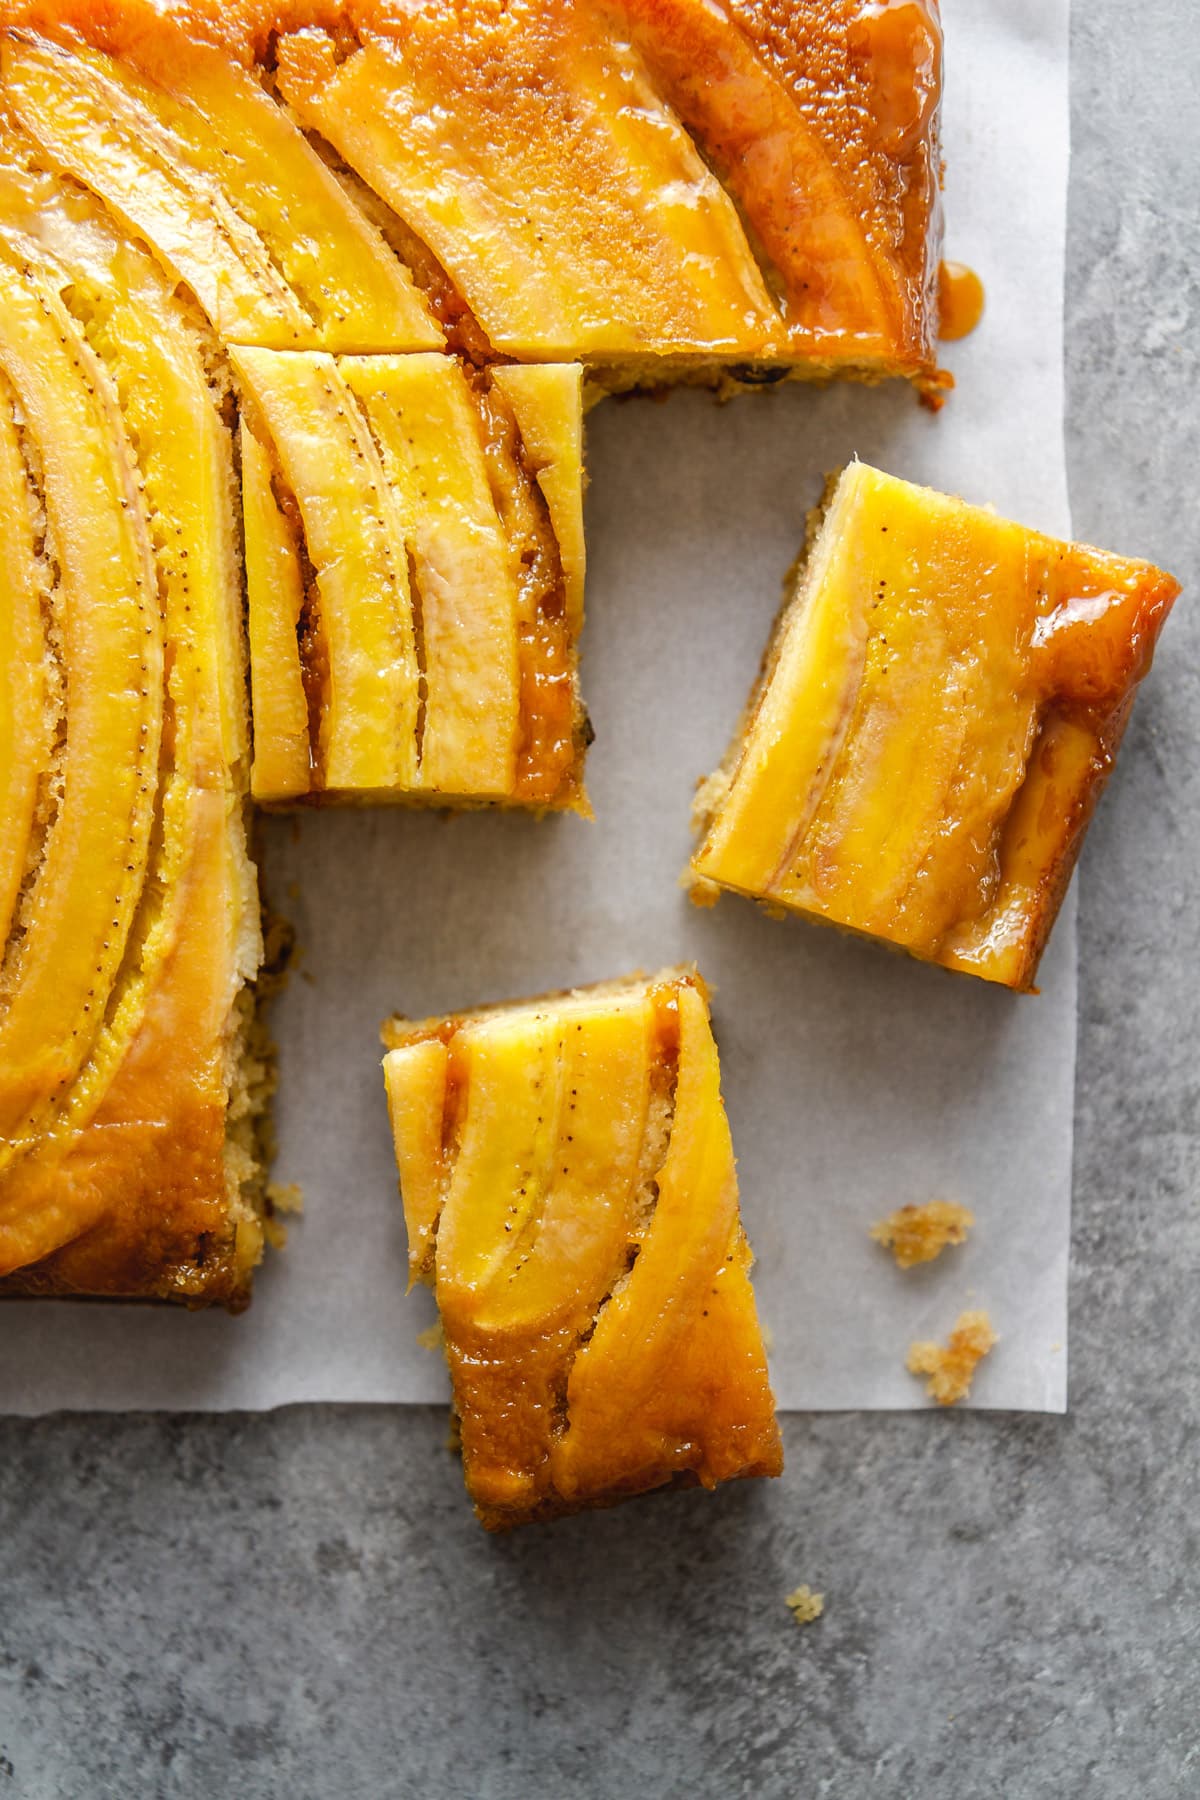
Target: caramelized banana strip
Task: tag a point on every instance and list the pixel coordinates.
(74, 105)
(213, 122)
(462, 567)
(417, 1079)
(655, 258)
(767, 155)
(547, 403)
(560, 1098)
(24, 727)
(510, 1069)
(534, 1217)
(185, 461)
(282, 767)
(77, 917)
(354, 534)
(579, 1246)
(642, 1331)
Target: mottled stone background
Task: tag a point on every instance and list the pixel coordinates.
(300, 1604)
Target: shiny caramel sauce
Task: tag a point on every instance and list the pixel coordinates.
(548, 751)
(549, 746)
(866, 77)
(961, 301)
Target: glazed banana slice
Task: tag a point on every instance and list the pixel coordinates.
(282, 767)
(73, 926)
(546, 400)
(463, 569)
(535, 158)
(192, 153)
(25, 722)
(143, 1121)
(354, 533)
(830, 280)
(683, 1322)
(681, 179)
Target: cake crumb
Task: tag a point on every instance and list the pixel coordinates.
(804, 1605)
(285, 1196)
(950, 1367)
(281, 1197)
(919, 1234)
(431, 1338)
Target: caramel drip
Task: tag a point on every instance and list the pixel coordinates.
(961, 301)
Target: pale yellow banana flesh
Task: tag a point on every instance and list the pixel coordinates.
(282, 767)
(355, 541)
(24, 725)
(462, 567)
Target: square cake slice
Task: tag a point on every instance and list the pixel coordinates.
(569, 1191)
(414, 566)
(937, 713)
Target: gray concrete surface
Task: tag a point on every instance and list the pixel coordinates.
(301, 1605)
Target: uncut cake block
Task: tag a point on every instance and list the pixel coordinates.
(938, 710)
(569, 1191)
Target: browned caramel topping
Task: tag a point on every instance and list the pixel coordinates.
(867, 74)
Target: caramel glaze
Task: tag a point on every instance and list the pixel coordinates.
(553, 724)
(866, 76)
(961, 301)
(821, 117)
(1098, 622)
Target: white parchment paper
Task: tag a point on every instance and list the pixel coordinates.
(855, 1079)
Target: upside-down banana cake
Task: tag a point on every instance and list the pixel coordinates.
(569, 1190)
(938, 711)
